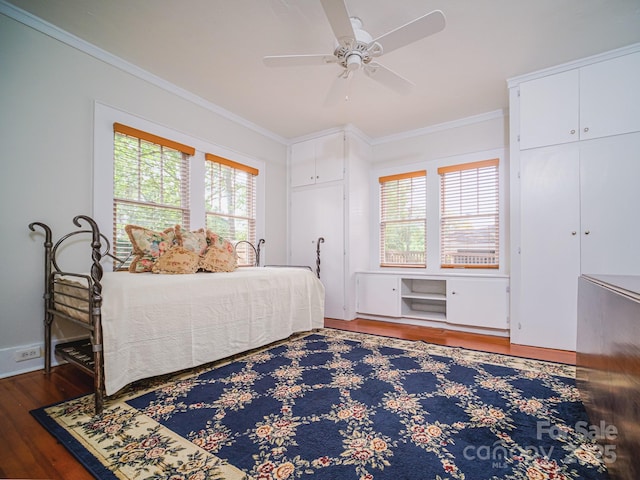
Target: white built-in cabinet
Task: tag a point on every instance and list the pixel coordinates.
(479, 303)
(329, 199)
(584, 103)
(575, 194)
(319, 160)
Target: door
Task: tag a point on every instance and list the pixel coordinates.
(478, 302)
(610, 205)
(610, 97)
(378, 295)
(330, 158)
(319, 212)
(549, 109)
(303, 163)
(549, 247)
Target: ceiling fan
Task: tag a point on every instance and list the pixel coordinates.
(357, 50)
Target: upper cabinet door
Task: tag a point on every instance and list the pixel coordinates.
(549, 110)
(330, 158)
(610, 97)
(303, 163)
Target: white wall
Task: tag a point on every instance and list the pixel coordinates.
(47, 95)
(474, 134)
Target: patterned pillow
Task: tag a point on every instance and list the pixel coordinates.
(148, 245)
(220, 256)
(177, 260)
(196, 241)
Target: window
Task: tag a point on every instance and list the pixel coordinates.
(469, 227)
(230, 203)
(403, 226)
(150, 183)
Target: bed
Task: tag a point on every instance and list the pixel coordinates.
(144, 324)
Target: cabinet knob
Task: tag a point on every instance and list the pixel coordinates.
(453, 293)
(586, 129)
(572, 132)
(574, 232)
(587, 232)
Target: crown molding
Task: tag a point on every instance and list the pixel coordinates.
(483, 117)
(348, 128)
(71, 40)
(582, 62)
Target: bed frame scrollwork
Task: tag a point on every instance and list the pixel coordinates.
(92, 298)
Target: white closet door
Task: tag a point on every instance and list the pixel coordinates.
(549, 110)
(549, 247)
(319, 212)
(610, 97)
(610, 205)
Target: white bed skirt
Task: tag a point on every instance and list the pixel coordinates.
(156, 324)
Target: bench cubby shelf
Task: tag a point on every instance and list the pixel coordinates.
(424, 298)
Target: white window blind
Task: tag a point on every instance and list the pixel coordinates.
(150, 183)
(230, 203)
(403, 225)
(469, 215)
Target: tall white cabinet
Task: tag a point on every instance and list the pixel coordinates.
(329, 199)
(575, 165)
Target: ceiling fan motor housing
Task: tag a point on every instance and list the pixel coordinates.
(352, 53)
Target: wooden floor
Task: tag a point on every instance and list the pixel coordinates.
(455, 339)
(27, 451)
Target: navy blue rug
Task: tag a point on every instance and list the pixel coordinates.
(342, 405)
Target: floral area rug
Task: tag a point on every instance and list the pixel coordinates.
(341, 405)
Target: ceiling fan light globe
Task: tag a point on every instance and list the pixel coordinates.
(353, 62)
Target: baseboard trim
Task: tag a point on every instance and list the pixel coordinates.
(9, 367)
(436, 324)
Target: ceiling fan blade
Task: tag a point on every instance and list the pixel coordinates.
(388, 78)
(413, 31)
(340, 90)
(298, 60)
(338, 16)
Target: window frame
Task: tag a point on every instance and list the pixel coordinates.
(384, 222)
(246, 255)
(162, 149)
(103, 150)
(492, 251)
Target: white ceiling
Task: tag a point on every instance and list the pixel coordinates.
(214, 49)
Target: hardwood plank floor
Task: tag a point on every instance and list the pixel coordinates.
(452, 338)
(28, 451)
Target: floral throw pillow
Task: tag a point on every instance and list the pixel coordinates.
(220, 256)
(177, 260)
(196, 241)
(148, 246)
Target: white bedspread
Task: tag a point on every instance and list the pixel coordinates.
(157, 324)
